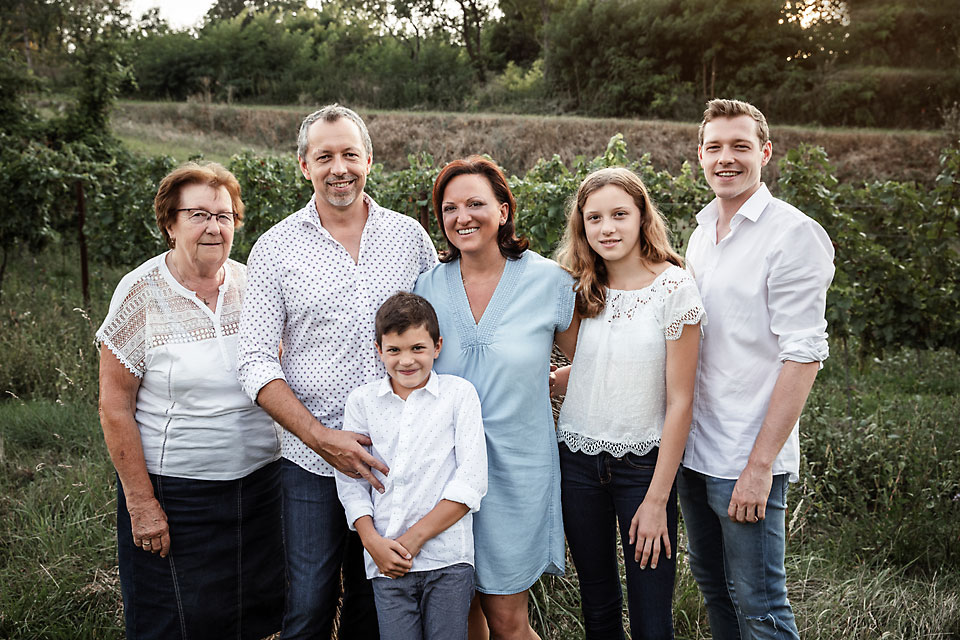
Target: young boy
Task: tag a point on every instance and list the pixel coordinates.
(427, 428)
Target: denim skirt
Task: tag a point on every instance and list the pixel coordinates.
(223, 577)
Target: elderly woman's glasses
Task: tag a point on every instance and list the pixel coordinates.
(202, 216)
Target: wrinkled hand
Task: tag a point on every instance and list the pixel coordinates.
(393, 560)
(558, 380)
(749, 500)
(345, 451)
(149, 524)
(647, 528)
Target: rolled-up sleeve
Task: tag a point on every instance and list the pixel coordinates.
(261, 322)
(469, 482)
(354, 493)
(801, 271)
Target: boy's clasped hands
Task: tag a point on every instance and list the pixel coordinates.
(394, 558)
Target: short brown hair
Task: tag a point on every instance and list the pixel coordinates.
(403, 311)
(167, 201)
(510, 245)
(724, 108)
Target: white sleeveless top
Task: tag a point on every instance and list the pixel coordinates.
(616, 394)
(194, 419)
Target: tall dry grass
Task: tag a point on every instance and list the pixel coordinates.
(517, 142)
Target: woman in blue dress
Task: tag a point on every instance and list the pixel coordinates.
(501, 307)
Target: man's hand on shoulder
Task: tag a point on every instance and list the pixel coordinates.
(749, 500)
(345, 451)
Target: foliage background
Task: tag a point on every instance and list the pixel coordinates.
(885, 63)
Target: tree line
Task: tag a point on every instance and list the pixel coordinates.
(884, 63)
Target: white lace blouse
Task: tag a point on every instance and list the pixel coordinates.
(616, 394)
(195, 421)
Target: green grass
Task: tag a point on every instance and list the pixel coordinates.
(873, 548)
(57, 537)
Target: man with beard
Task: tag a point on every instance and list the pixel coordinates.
(315, 282)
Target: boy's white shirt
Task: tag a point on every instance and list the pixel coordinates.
(434, 445)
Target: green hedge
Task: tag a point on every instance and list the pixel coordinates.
(898, 247)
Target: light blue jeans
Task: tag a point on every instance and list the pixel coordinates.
(739, 567)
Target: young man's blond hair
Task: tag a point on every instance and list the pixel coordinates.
(723, 108)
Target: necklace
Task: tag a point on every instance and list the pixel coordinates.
(475, 282)
(175, 272)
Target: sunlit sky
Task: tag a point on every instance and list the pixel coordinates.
(179, 13)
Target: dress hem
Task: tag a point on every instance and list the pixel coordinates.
(550, 568)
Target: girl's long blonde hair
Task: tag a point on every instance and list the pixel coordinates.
(584, 264)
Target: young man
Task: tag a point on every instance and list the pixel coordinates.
(427, 428)
(763, 269)
(315, 281)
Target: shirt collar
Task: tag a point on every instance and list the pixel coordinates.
(432, 386)
(385, 387)
(310, 215)
(751, 209)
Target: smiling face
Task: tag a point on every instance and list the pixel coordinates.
(471, 214)
(731, 157)
(202, 246)
(336, 162)
(408, 357)
(611, 222)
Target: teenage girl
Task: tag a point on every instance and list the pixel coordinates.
(629, 397)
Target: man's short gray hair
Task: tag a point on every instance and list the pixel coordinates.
(332, 113)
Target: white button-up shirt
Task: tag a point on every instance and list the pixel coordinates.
(764, 288)
(303, 287)
(433, 444)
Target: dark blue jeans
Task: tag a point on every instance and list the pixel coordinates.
(426, 605)
(319, 548)
(223, 577)
(598, 493)
(738, 566)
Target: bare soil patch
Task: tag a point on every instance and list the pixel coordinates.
(517, 142)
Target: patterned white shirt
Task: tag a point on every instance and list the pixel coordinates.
(194, 419)
(764, 288)
(433, 444)
(303, 287)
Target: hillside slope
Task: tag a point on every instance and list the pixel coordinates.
(518, 141)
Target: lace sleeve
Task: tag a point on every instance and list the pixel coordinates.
(124, 329)
(681, 306)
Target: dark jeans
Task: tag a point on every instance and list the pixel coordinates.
(318, 546)
(738, 566)
(425, 605)
(598, 493)
(223, 577)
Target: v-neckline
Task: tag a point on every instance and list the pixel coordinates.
(471, 330)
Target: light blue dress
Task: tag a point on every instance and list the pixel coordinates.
(518, 532)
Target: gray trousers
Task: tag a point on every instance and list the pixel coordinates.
(425, 605)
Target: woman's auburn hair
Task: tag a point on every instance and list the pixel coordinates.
(212, 174)
(583, 263)
(511, 246)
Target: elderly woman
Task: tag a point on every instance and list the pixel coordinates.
(198, 497)
(501, 307)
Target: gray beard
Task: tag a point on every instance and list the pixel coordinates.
(341, 201)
